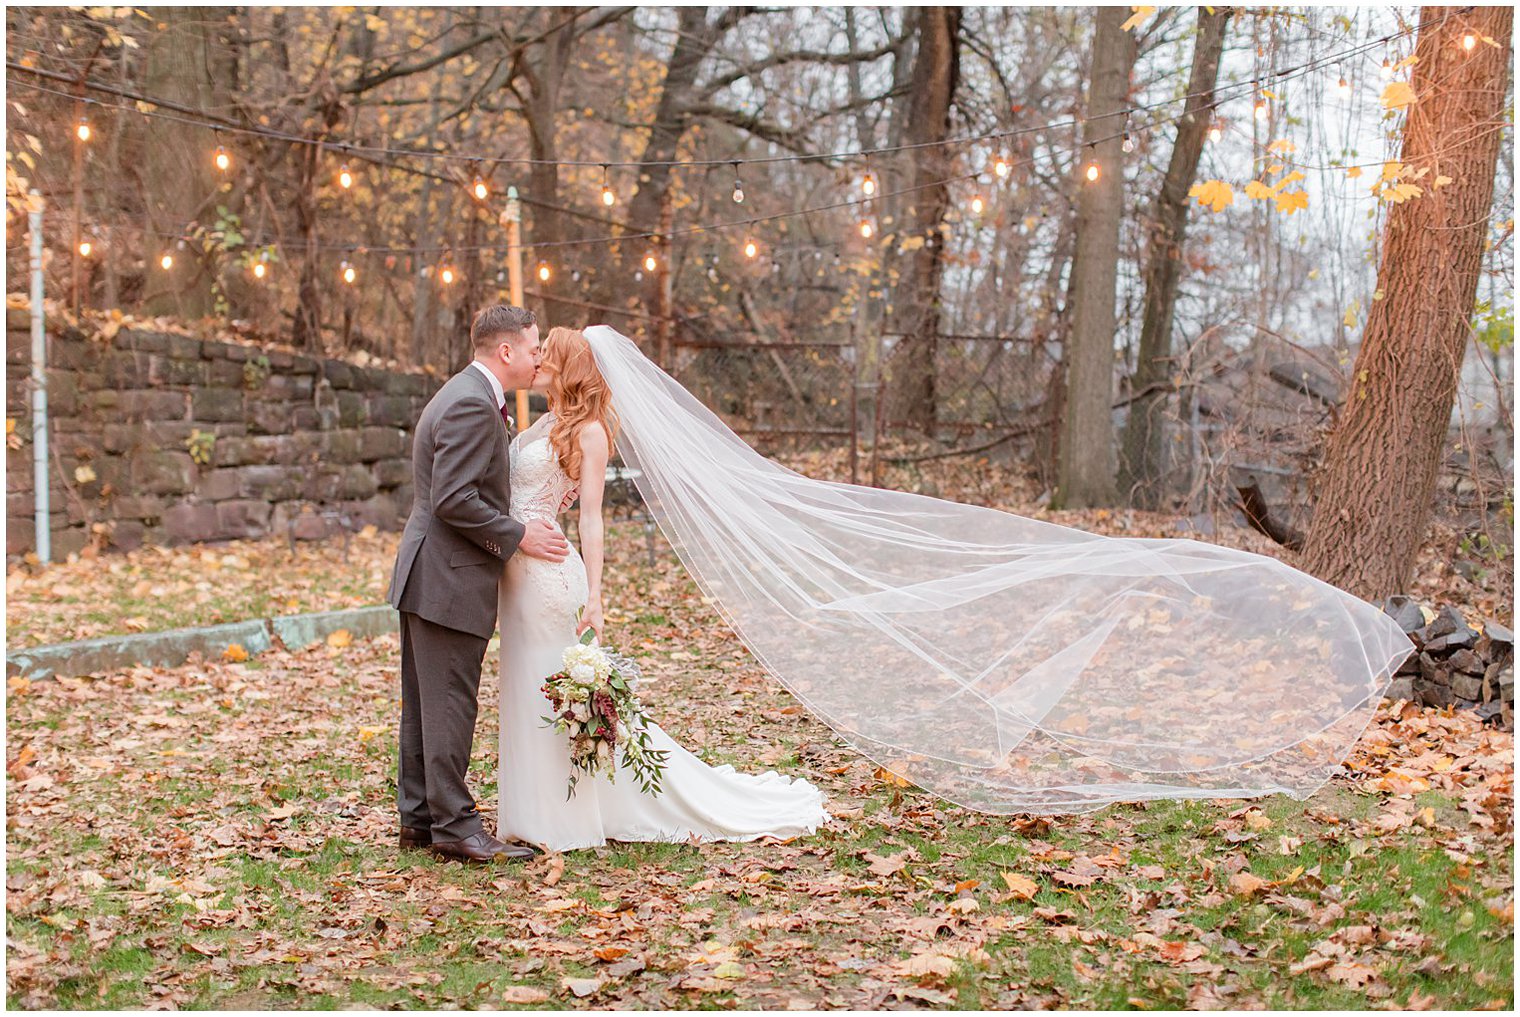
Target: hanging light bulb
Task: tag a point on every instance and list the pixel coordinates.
(1129, 142)
(1469, 42)
(259, 270)
(608, 198)
(543, 271)
(1001, 167)
(651, 262)
(738, 187)
(750, 248)
(978, 204)
(1387, 71)
(1261, 109)
(446, 276)
(345, 178)
(166, 262)
(222, 159)
(480, 189)
(85, 247)
(866, 229)
(83, 130)
(1216, 131)
(349, 275)
(1343, 88)
(868, 185)
(1093, 172)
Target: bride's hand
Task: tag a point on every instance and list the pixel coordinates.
(591, 618)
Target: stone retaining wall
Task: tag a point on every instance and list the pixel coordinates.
(163, 439)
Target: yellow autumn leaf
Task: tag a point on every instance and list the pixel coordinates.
(235, 653)
(1402, 192)
(1352, 172)
(1137, 18)
(1021, 887)
(1282, 146)
(83, 474)
(1292, 202)
(1397, 95)
(366, 733)
(1215, 194)
(1258, 190)
(1349, 320)
(1441, 181)
(339, 639)
(1291, 178)
(910, 244)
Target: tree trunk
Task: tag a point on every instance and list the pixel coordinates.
(545, 73)
(190, 62)
(1086, 473)
(1374, 494)
(695, 38)
(916, 311)
(1141, 460)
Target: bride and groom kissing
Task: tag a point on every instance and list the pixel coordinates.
(481, 549)
(1003, 663)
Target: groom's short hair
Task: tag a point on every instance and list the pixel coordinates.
(491, 325)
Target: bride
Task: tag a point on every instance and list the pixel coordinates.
(568, 448)
(1003, 663)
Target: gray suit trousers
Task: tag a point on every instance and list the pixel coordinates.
(440, 682)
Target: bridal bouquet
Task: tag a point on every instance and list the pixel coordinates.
(594, 702)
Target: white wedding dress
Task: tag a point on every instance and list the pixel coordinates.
(539, 601)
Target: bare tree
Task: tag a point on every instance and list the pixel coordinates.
(1141, 459)
(1086, 472)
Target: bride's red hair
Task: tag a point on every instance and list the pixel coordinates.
(579, 395)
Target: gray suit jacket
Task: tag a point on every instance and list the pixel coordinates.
(458, 535)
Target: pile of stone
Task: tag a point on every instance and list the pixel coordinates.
(1456, 665)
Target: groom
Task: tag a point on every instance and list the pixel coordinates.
(445, 582)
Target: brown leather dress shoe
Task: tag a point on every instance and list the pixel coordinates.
(480, 848)
(412, 837)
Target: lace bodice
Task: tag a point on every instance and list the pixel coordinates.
(539, 484)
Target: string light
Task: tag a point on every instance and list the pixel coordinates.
(651, 262)
(868, 185)
(85, 247)
(259, 270)
(1387, 69)
(446, 276)
(223, 160)
(750, 248)
(608, 198)
(866, 229)
(166, 262)
(1129, 142)
(349, 275)
(1216, 131)
(738, 187)
(1469, 42)
(1093, 172)
(543, 271)
(1001, 167)
(1261, 109)
(978, 203)
(1343, 88)
(345, 178)
(480, 189)
(83, 130)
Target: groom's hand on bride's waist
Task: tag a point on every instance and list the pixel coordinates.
(541, 539)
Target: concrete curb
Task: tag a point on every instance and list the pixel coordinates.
(172, 648)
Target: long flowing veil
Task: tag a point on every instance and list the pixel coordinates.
(1003, 663)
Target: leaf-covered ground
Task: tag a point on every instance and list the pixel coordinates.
(222, 834)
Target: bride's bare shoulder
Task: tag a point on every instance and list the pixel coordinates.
(591, 436)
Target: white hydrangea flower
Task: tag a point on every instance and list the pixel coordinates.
(583, 672)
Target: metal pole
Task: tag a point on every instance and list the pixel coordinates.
(39, 391)
(513, 218)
